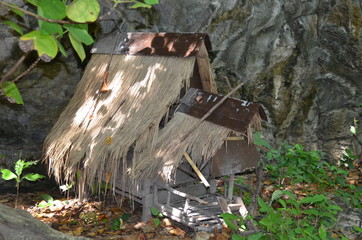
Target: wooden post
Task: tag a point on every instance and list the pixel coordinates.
(147, 200)
(231, 187)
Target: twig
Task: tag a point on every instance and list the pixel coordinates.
(27, 70)
(12, 70)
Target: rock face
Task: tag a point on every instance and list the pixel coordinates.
(17, 224)
(303, 59)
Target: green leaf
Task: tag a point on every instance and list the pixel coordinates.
(11, 91)
(61, 48)
(256, 236)
(45, 45)
(229, 216)
(139, 4)
(14, 26)
(230, 224)
(151, 2)
(19, 167)
(154, 211)
(157, 222)
(46, 197)
(34, 2)
(260, 142)
(237, 237)
(283, 203)
(16, 11)
(83, 11)
(7, 174)
(353, 130)
(52, 9)
(50, 28)
(33, 176)
(322, 233)
(277, 194)
(78, 47)
(357, 229)
(263, 206)
(30, 163)
(80, 33)
(314, 199)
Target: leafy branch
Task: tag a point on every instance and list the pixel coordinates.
(56, 19)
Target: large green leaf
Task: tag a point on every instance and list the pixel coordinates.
(80, 33)
(11, 91)
(52, 9)
(151, 2)
(313, 199)
(14, 26)
(48, 27)
(322, 233)
(34, 2)
(83, 11)
(139, 4)
(7, 174)
(78, 47)
(45, 45)
(61, 48)
(19, 167)
(16, 11)
(33, 176)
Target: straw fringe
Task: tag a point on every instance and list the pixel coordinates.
(95, 131)
(202, 144)
(255, 124)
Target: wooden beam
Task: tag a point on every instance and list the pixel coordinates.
(182, 194)
(198, 172)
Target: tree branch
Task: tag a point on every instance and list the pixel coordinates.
(13, 69)
(27, 70)
(37, 16)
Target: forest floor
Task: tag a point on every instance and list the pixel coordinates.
(105, 219)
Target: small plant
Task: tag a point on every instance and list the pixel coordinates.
(156, 216)
(19, 167)
(287, 217)
(118, 223)
(66, 188)
(47, 201)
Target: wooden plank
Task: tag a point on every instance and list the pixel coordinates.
(182, 194)
(198, 172)
(232, 113)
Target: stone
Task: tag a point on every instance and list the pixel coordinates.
(347, 220)
(17, 224)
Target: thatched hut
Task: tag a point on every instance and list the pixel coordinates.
(128, 135)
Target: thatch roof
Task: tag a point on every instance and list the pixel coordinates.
(116, 134)
(95, 132)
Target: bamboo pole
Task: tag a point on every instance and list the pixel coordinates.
(198, 172)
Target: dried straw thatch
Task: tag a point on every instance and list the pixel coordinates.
(179, 136)
(96, 130)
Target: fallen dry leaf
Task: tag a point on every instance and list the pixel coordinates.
(177, 231)
(78, 231)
